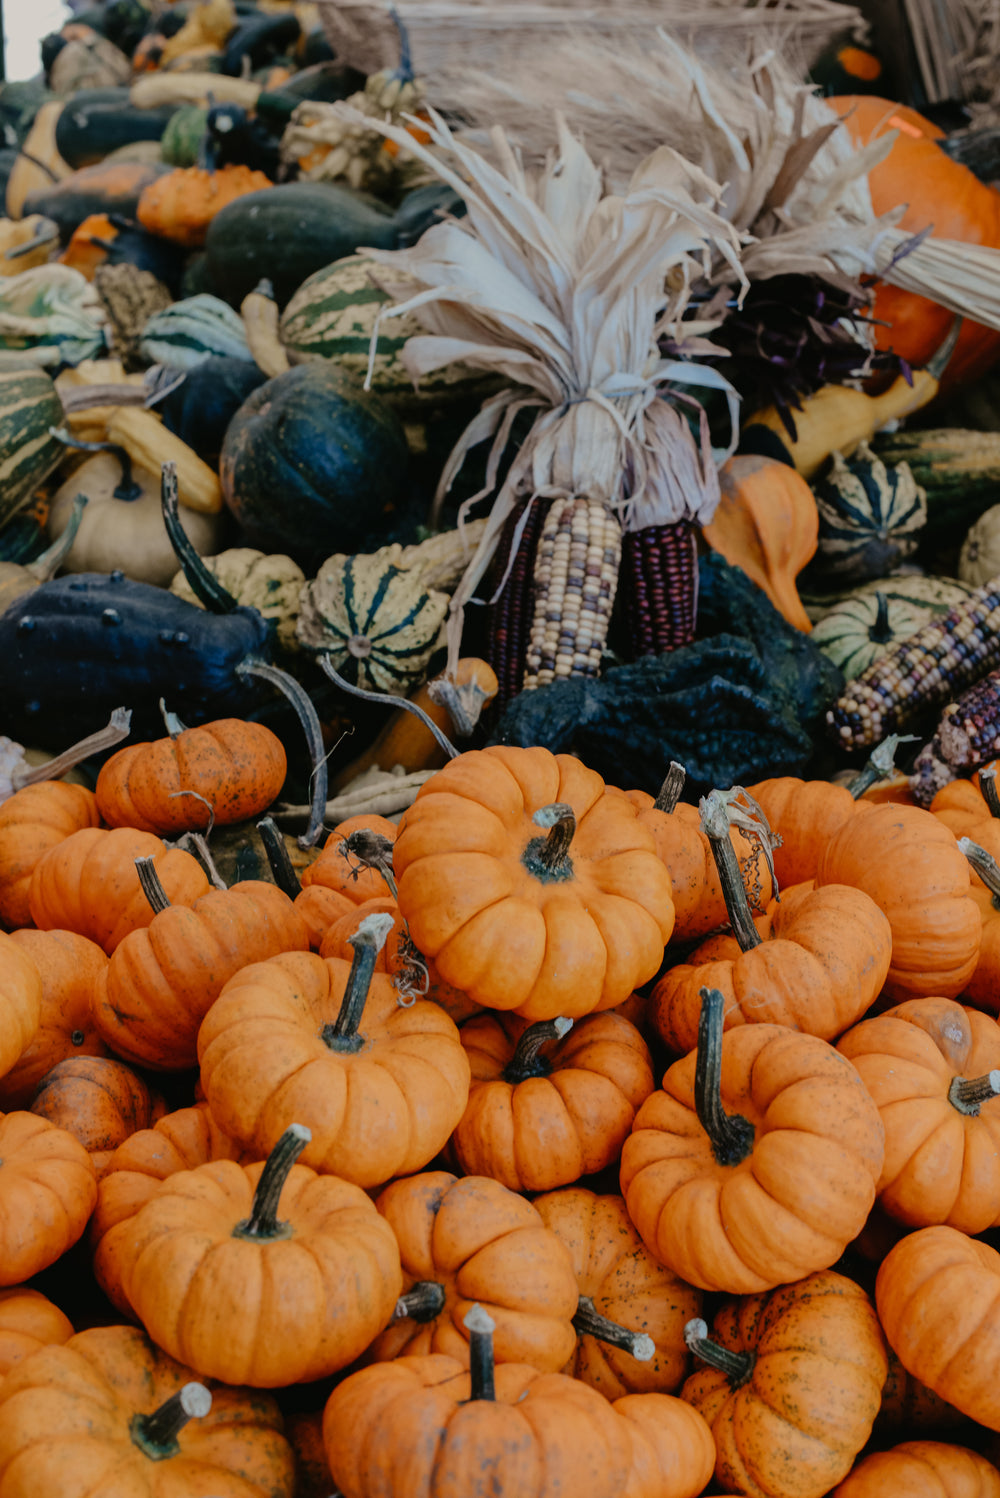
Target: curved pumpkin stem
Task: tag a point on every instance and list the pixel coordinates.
(151, 886)
(670, 791)
(968, 1094)
(480, 1326)
(988, 790)
(715, 822)
(385, 699)
(526, 1061)
(206, 588)
(367, 941)
(880, 763)
(156, 1434)
(45, 567)
(730, 1134)
(464, 701)
(737, 1366)
(127, 488)
(276, 849)
(590, 1323)
(307, 716)
(548, 857)
(985, 866)
(263, 1220)
(118, 728)
(199, 842)
(423, 1302)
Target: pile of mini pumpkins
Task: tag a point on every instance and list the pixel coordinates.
(417, 1216)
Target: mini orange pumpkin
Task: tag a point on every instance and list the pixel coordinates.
(532, 886)
(32, 821)
(20, 1001)
(922, 1469)
(28, 1321)
(48, 1187)
(338, 868)
(70, 967)
(98, 1100)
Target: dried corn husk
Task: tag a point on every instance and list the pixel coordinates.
(375, 792)
(558, 287)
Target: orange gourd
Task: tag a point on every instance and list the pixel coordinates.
(48, 1187)
(225, 771)
(20, 1001)
(70, 967)
(531, 885)
(805, 814)
(98, 1100)
(940, 195)
(180, 205)
(767, 524)
(32, 821)
(922, 1469)
(28, 1322)
(790, 1387)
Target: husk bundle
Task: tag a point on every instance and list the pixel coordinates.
(561, 288)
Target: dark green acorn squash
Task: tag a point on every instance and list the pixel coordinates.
(110, 187)
(96, 121)
(200, 409)
(261, 39)
(285, 233)
(313, 464)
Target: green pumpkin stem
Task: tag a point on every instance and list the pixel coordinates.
(149, 879)
(156, 1434)
(45, 567)
(367, 941)
(737, 1366)
(730, 1134)
(118, 728)
(715, 823)
(307, 716)
(590, 1323)
(526, 1061)
(988, 790)
(206, 588)
(968, 1094)
(366, 849)
(280, 863)
(670, 791)
(385, 699)
(547, 858)
(985, 866)
(127, 488)
(263, 1224)
(480, 1326)
(880, 763)
(423, 1302)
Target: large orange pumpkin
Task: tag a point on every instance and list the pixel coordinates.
(939, 194)
(531, 885)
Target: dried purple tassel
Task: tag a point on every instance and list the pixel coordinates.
(659, 587)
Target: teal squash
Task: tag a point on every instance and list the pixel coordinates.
(870, 516)
(332, 316)
(863, 627)
(29, 406)
(313, 464)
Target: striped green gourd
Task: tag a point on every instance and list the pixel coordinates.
(861, 628)
(870, 516)
(332, 316)
(199, 327)
(373, 616)
(29, 407)
(960, 471)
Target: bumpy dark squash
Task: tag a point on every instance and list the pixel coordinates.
(313, 464)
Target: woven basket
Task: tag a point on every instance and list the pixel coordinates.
(477, 33)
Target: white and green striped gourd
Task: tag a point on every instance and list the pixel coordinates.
(870, 516)
(861, 628)
(197, 328)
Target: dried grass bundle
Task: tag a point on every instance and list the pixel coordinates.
(560, 288)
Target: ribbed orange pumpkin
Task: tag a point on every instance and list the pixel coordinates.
(931, 1065)
(715, 1168)
(225, 771)
(162, 981)
(540, 1118)
(805, 814)
(922, 1469)
(791, 1385)
(70, 967)
(88, 883)
(32, 821)
(20, 1001)
(48, 1187)
(910, 865)
(28, 1321)
(531, 885)
(467, 1241)
(327, 1044)
(98, 1100)
(340, 871)
(619, 1281)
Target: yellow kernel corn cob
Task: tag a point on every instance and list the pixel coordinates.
(575, 579)
(923, 672)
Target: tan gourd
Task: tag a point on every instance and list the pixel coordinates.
(150, 445)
